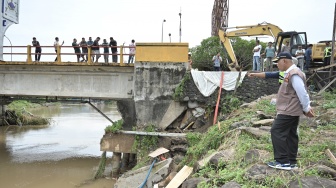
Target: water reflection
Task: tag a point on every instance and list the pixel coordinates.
(66, 151)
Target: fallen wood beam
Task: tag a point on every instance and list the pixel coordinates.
(326, 67)
(325, 87)
(331, 156)
(311, 76)
(317, 83)
(153, 133)
(180, 177)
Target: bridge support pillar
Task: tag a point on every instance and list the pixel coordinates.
(127, 111)
(159, 68)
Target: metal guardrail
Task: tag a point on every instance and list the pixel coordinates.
(27, 54)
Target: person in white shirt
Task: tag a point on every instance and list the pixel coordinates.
(56, 43)
(256, 57)
(299, 54)
(131, 52)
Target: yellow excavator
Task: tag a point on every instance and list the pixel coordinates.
(295, 38)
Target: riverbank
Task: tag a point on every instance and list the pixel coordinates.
(234, 152)
(240, 146)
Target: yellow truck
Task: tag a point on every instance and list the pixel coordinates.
(318, 51)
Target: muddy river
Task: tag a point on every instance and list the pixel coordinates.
(64, 154)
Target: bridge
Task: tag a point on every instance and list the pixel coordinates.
(143, 90)
(112, 80)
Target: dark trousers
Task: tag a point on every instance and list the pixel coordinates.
(114, 57)
(217, 68)
(56, 55)
(285, 139)
(38, 54)
(326, 61)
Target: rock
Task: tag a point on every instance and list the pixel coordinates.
(192, 182)
(327, 171)
(267, 128)
(312, 181)
(259, 172)
(262, 115)
(255, 131)
(239, 124)
(179, 148)
(177, 141)
(231, 184)
(198, 123)
(264, 122)
(197, 112)
(186, 98)
(192, 104)
(251, 156)
(224, 155)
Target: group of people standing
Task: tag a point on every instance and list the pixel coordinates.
(81, 49)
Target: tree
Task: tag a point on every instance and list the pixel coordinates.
(202, 55)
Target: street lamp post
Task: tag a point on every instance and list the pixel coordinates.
(169, 37)
(162, 30)
(180, 14)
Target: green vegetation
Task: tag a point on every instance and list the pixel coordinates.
(312, 146)
(179, 91)
(18, 113)
(202, 55)
(115, 127)
(101, 166)
(144, 145)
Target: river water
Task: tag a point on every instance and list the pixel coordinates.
(64, 154)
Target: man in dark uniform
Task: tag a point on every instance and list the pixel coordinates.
(38, 49)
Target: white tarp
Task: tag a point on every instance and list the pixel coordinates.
(208, 81)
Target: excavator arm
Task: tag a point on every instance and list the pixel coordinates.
(250, 30)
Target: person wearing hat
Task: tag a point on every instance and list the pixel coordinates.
(38, 49)
(327, 54)
(292, 101)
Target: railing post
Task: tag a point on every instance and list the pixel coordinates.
(89, 55)
(29, 58)
(58, 53)
(122, 55)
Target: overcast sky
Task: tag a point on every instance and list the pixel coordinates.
(141, 20)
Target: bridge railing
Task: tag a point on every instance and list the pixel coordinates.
(64, 54)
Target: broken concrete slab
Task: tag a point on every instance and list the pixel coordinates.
(135, 178)
(174, 110)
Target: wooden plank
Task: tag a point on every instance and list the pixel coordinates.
(158, 152)
(154, 133)
(180, 177)
(331, 156)
(322, 90)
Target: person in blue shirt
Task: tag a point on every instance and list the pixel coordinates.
(308, 56)
(217, 59)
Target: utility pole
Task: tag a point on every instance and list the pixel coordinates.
(180, 14)
(332, 59)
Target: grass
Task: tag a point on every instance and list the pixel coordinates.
(312, 146)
